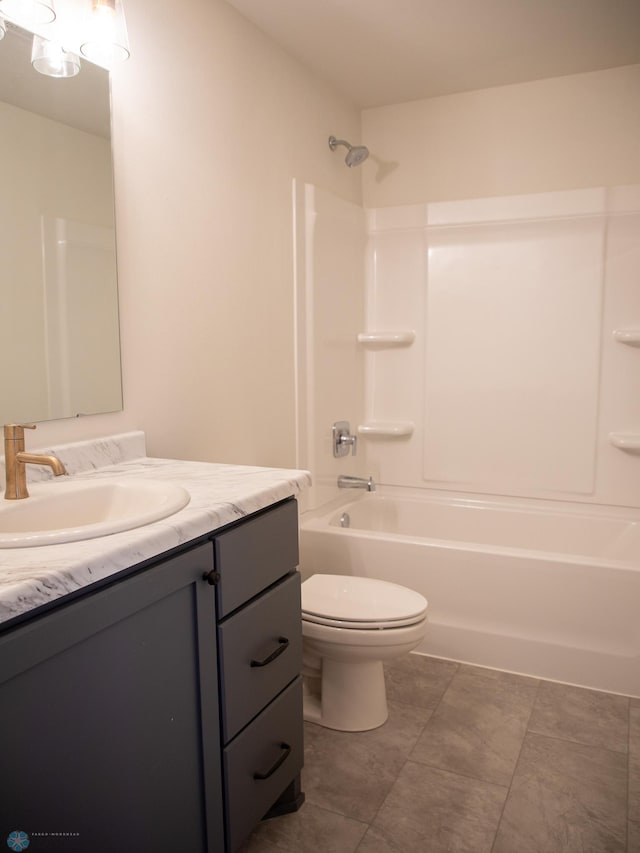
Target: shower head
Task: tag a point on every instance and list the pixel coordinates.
(356, 154)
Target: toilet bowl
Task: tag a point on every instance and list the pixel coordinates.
(350, 626)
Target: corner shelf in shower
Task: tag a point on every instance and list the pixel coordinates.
(385, 429)
(631, 337)
(380, 340)
(629, 441)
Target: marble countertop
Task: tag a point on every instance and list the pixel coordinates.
(220, 494)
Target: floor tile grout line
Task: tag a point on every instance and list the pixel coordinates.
(628, 798)
(364, 823)
(408, 758)
(397, 776)
(456, 773)
(371, 822)
(439, 702)
(368, 824)
(577, 742)
(338, 814)
(515, 768)
(433, 710)
(421, 707)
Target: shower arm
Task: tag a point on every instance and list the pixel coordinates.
(333, 143)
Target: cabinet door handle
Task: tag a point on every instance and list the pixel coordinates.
(211, 577)
(283, 644)
(286, 749)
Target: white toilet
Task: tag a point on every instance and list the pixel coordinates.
(350, 625)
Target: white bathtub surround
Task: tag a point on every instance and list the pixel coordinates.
(516, 376)
(219, 494)
(630, 337)
(523, 586)
(486, 356)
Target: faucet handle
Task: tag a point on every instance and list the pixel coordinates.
(13, 431)
(349, 441)
(342, 439)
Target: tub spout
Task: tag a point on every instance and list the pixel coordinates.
(347, 482)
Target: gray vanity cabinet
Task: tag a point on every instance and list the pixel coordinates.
(260, 658)
(124, 726)
(108, 717)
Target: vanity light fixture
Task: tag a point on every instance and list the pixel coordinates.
(52, 59)
(99, 34)
(28, 13)
(106, 42)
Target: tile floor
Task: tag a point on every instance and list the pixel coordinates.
(471, 761)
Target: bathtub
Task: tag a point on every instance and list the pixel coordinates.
(512, 586)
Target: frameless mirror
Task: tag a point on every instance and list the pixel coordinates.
(59, 333)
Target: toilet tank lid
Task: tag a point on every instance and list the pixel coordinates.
(360, 599)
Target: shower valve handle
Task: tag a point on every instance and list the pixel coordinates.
(349, 441)
(343, 440)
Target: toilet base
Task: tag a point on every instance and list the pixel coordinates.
(352, 698)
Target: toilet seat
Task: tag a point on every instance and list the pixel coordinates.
(357, 603)
(361, 625)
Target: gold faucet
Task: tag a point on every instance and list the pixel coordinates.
(16, 459)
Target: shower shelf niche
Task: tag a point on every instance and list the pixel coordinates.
(385, 429)
(380, 340)
(629, 441)
(631, 337)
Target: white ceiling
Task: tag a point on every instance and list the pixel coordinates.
(381, 52)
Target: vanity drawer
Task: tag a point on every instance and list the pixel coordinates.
(262, 761)
(260, 653)
(253, 555)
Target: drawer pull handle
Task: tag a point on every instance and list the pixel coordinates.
(284, 644)
(212, 577)
(286, 749)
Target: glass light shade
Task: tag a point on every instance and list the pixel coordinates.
(50, 58)
(28, 13)
(106, 42)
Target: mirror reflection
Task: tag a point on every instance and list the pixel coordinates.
(59, 335)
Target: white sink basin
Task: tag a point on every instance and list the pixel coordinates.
(70, 510)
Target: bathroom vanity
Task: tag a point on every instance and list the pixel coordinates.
(160, 705)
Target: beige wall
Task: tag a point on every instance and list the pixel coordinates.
(211, 123)
(563, 133)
